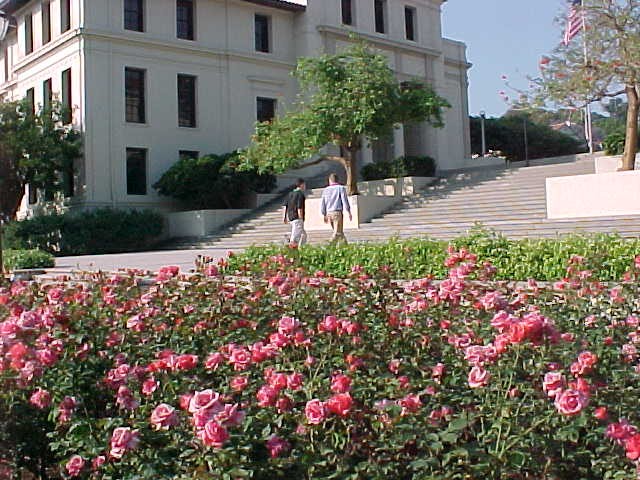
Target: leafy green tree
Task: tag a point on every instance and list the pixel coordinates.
(35, 149)
(506, 134)
(345, 98)
(610, 69)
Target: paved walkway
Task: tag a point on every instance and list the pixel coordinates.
(143, 260)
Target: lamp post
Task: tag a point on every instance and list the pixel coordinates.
(526, 141)
(484, 139)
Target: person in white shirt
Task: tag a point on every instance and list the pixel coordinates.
(332, 207)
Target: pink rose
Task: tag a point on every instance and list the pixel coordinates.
(205, 399)
(240, 358)
(125, 399)
(97, 462)
(478, 377)
(213, 361)
(287, 325)
(123, 439)
(601, 413)
(340, 383)
(239, 383)
(267, 396)
(213, 434)
(164, 417)
(40, 399)
(632, 446)
(339, 404)
(184, 400)
(186, 362)
(315, 411)
(295, 381)
(553, 383)
(329, 324)
(75, 465)
(149, 386)
(410, 404)
(277, 446)
(571, 402)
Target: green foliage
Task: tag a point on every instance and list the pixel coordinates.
(344, 96)
(36, 149)
(506, 134)
(22, 259)
(400, 167)
(614, 143)
(540, 259)
(89, 232)
(212, 182)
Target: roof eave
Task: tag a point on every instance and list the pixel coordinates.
(280, 4)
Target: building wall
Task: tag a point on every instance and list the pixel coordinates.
(230, 76)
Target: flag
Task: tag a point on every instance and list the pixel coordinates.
(575, 20)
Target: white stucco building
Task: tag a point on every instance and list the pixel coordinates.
(149, 80)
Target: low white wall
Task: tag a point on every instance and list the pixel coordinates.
(375, 198)
(198, 223)
(611, 164)
(595, 195)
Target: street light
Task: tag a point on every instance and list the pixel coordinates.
(484, 140)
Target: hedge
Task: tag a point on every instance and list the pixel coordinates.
(86, 233)
(542, 259)
(22, 259)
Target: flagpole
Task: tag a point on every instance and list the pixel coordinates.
(588, 126)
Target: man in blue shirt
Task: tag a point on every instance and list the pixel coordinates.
(334, 202)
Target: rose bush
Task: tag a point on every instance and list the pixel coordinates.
(287, 374)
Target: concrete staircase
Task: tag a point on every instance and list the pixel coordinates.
(511, 201)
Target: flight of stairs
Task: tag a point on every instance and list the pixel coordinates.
(511, 201)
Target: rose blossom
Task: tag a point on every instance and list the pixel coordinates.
(163, 417)
(410, 404)
(213, 434)
(478, 377)
(204, 399)
(339, 404)
(123, 439)
(601, 413)
(239, 383)
(553, 383)
(266, 396)
(40, 398)
(632, 446)
(315, 411)
(571, 402)
(186, 362)
(149, 386)
(75, 465)
(214, 360)
(340, 383)
(287, 325)
(295, 381)
(277, 446)
(240, 358)
(98, 461)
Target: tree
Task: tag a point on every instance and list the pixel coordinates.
(35, 149)
(611, 67)
(506, 135)
(345, 98)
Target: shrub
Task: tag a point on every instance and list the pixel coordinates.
(88, 232)
(283, 374)
(614, 143)
(211, 182)
(24, 259)
(400, 167)
(542, 259)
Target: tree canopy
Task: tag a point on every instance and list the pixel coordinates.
(35, 149)
(345, 97)
(610, 68)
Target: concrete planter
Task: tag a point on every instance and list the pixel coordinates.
(375, 198)
(198, 223)
(25, 275)
(595, 195)
(611, 164)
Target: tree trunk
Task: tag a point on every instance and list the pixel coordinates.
(631, 133)
(350, 167)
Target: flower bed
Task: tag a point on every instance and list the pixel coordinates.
(285, 374)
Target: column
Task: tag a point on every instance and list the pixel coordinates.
(366, 152)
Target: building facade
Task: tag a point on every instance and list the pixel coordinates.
(151, 80)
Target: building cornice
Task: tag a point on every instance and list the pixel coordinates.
(379, 40)
(281, 4)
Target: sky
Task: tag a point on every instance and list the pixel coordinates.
(503, 37)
